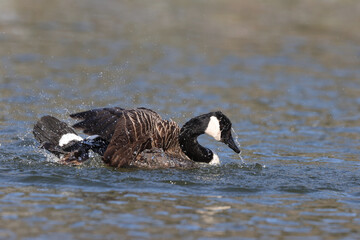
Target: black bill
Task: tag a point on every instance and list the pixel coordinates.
(230, 142)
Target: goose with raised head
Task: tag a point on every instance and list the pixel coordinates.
(134, 138)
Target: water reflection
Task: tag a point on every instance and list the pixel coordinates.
(144, 215)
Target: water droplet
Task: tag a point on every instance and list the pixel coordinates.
(238, 144)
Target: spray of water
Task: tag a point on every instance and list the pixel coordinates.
(238, 144)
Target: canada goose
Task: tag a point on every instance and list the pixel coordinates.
(134, 138)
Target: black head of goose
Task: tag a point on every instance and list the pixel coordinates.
(214, 124)
(134, 138)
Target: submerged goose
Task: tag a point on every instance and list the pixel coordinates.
(134, 138)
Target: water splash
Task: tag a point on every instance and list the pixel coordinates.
(238, 144)
(257, 166)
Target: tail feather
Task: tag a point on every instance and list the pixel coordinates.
(60, 139)
(51, 134)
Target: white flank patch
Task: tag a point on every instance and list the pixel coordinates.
(213, 128)
(66, 138)
(215, 160)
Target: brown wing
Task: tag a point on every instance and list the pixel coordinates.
(134, 133)
(100, 122)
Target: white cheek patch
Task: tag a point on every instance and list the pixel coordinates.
(215, 160)
(213, 128)
(66, 138)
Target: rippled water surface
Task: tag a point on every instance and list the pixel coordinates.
(285, 72)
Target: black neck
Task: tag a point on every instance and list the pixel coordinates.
(191, 147)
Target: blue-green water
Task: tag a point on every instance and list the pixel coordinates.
(290, 84)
